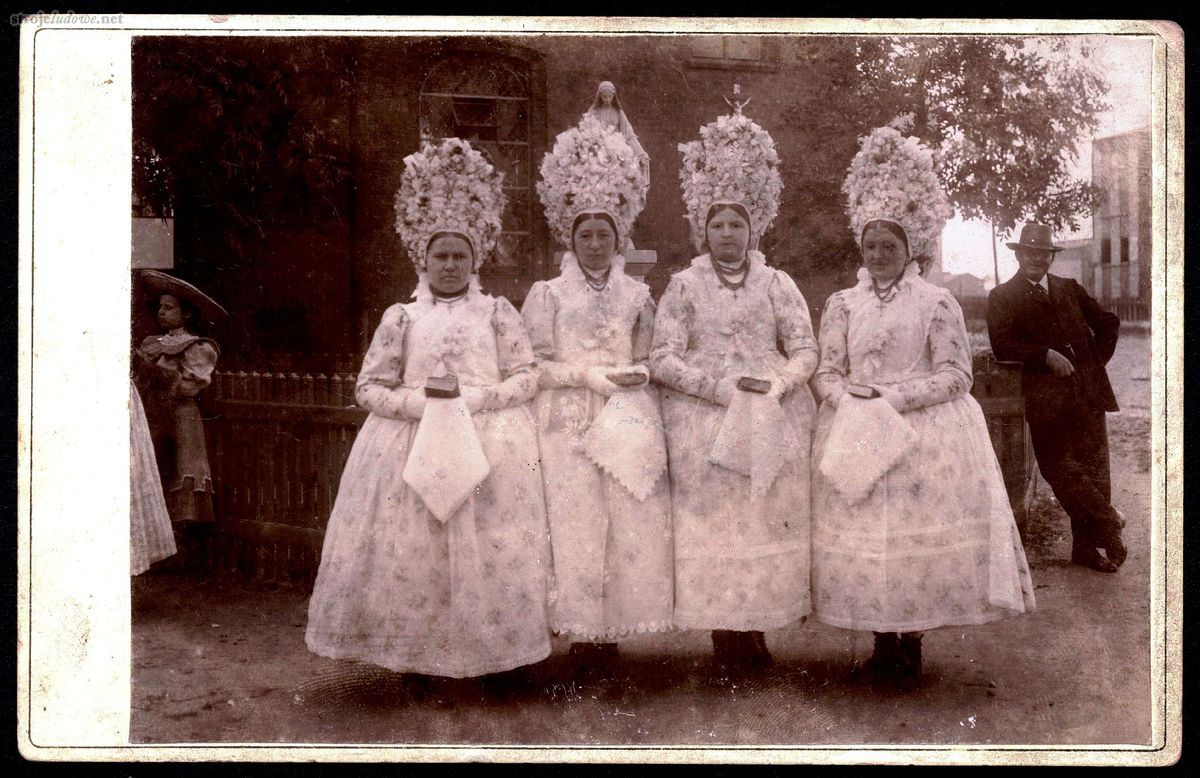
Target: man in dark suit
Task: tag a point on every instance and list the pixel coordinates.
(1063, 338)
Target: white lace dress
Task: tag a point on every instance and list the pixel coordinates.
(612, 552)
(934, 543)
(150, 535)
(398, 588)
(740, 563)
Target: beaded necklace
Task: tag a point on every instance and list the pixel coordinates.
(724, 275)
(597, 282)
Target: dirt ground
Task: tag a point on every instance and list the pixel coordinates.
(221, 661)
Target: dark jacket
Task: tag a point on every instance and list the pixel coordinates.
(1022, 329)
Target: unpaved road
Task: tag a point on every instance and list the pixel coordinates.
(216, 661)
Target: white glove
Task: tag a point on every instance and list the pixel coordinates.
(894, 398)
(725, 390)
(414, 404)
(474, 396)
(596, 379)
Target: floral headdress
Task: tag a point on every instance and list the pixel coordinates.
(591, 168)
(734, 161)
(892, 177)
(448, 186)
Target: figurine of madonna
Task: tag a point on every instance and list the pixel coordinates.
(603, 449)
(606, 107)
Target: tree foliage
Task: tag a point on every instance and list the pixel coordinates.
(1008, 115)
(234, 128)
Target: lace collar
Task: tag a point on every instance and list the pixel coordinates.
(912, 273)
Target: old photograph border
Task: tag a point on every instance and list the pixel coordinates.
(73, 594)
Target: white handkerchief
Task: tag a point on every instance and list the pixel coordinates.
(868, 438)
(626, 440)
(446, 461)
(756, 439)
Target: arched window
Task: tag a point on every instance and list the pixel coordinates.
(485, 98)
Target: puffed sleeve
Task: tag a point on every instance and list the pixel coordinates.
(672, 327)
(514, 358)
(643, 329)
(196, 365)
(379, 388)
(950, 355)
(829, 380)
(539, 313)
(793, 324)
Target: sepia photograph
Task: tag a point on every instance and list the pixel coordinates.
(603, 390)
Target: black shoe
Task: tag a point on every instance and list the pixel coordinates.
(757, 655)
(883, 662)
(1115, 550)
(1090, 557)
(908, 664)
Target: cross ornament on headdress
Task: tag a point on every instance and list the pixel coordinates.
(737, 105)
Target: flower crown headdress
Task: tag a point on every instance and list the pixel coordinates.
(448, 186)
(893, 177)
(591, 168)
(733, 161)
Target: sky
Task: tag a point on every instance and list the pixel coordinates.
(966, 245)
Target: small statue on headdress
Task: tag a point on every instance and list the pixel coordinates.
(606, 107)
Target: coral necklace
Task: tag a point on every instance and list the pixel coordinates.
(725, 273)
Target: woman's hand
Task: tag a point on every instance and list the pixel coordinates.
(596, 379)
(413, 406)
(894, 398)
(474, 396)
(725, 390)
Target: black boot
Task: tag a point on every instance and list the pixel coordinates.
(883, 662)
(756, 649)
(724, 661)
(595, 665)
(908, 669)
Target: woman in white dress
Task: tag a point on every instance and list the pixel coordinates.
(933, 542)
(408, 581)
(741, 527)
(150, 535)
(607, 502)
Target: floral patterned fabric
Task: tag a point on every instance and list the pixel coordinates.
(390, 585)
(934, 543)
(612, 552)
(740, 563)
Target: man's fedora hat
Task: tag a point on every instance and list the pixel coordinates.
(1036, 236)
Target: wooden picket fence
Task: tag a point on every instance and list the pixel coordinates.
(278, 443)
(997, 388)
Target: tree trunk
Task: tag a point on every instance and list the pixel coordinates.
(995, 259)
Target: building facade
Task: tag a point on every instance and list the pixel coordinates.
(1121, 227)
(319, 284)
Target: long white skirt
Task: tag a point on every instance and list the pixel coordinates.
(150, 534)
(934, 544)
(399, 589)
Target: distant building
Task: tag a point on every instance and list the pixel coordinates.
(964, 285)
(1075, 262)
(1121, 238)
